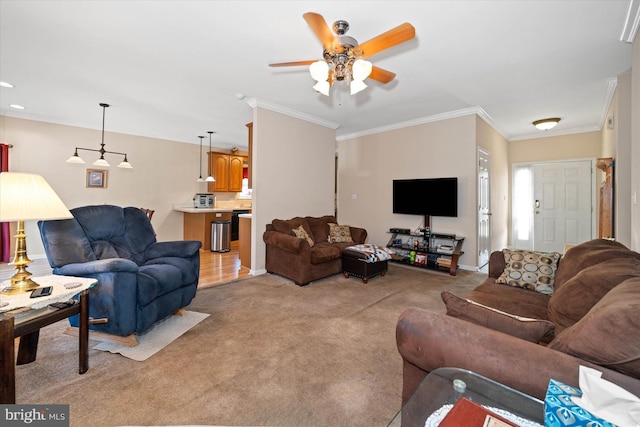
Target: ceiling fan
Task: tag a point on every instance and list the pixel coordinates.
(344, 56)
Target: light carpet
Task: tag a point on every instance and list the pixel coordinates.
(270, 354)
(157, 337)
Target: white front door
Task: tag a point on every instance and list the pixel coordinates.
(552, 204)
(563, 204)
(484, 208)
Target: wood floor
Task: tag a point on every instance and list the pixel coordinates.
(221, 267)
(215, 267)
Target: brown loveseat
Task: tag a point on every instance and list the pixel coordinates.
(303, 260)
(592, 318)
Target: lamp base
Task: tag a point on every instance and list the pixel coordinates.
(20, 283)
(21, 280)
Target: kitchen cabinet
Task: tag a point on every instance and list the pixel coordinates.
(227, 169)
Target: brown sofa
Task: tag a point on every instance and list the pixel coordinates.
(592, 318)
(295, 258)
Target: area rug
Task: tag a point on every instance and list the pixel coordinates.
(158, 337)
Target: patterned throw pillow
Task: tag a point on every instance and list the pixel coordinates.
(530, 270)
(301, 233)
(339, 233)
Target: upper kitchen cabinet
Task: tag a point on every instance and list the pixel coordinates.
(227, 169)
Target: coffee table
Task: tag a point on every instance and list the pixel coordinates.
(437, 389)
(26, 321)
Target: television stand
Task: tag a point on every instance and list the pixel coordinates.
(435, 251)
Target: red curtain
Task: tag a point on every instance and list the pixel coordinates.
(4, 226)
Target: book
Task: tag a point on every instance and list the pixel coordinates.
(469, 414)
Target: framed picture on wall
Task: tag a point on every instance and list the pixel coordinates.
(96, 178)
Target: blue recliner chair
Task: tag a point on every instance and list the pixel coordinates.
(140, 281)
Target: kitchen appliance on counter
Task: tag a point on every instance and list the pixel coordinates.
(204, 200)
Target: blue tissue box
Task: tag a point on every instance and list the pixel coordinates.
(560, 411)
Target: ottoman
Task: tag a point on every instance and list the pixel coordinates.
(365, 261)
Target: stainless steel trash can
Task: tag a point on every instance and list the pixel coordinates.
(220, 236)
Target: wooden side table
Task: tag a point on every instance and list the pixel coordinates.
(27, 328)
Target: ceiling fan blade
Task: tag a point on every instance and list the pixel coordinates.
(397, 35)
(289, 64)
(381, 75)
(320, 27)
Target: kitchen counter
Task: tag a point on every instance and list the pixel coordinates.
(197, 221)
(202, 210)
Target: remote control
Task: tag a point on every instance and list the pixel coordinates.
(72, 285)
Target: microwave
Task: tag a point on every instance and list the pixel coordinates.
(204, 200)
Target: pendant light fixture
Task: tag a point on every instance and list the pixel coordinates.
(210, 178)
(101, 161)
(200, 177)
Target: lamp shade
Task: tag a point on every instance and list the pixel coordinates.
(26, 196)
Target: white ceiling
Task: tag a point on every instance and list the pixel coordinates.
(172, 69)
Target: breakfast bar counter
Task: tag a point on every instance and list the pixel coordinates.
(197, 222)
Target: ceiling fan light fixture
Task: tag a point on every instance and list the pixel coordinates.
(322, 87)
(546, 124)
(361, 69)
(319, 71)
(357, 86)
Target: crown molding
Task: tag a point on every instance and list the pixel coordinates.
(255, 102)
(421, 121)
(612, 83)
(632, 22)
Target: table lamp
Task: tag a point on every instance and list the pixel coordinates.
(24, 197)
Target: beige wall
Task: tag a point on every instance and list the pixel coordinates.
(616, 143)
(635, 146)
(491, 141)
(367, 166)
(544, 149)
(293, 173)
(163, 174)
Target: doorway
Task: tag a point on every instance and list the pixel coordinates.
(553, 204)
(484, 208)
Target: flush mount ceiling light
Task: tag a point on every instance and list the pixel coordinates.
(546, 124)
(343, 57)
(101, 161)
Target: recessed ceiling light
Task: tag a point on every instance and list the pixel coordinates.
(5, 84)
(17, 107)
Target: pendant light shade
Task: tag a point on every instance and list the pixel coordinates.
(210, 178)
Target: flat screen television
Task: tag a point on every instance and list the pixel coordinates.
(427, 196)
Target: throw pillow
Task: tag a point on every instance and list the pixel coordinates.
(609, 334)
(530, 270)
(339, 233)
(533, 330)
(301, 233)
